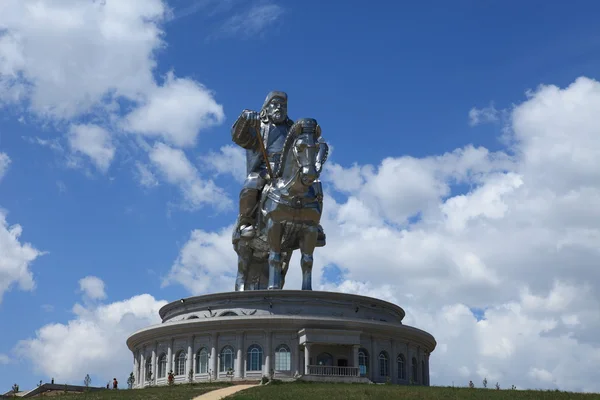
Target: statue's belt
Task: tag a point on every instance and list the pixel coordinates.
(294, 202)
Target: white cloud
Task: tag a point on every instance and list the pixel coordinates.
(478, 116)
(177, 111)
(520, 242)
(66, 61)
(145, 176)
(94, 142)
(229, 159)
(92, 287)
(4, 359)
(252, 21)
(15, 257)
(4, 163)
(174, 165)
(93, 341)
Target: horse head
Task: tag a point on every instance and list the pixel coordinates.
(303, 155)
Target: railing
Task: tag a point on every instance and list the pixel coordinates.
(328, 370)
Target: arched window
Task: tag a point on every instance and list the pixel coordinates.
(401, 367)
(254, 359)
(226, 359)
(415, 373)
(325, 359)
(384, 369)
(283, 358)
(363, 362)
(202, 361)
(228, 314)
(162, 365)
(149, 369)
(423, 379)
(180, 363)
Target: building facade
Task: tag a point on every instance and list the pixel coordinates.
(282, 334)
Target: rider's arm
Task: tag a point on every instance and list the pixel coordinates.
(243, 132)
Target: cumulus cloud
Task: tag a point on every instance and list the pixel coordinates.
(92, 287)
(177, 169)
(15, 257)
(4, 359)
(63, 62)
(513, 234)
(93, 341)
(94, 142)
(229, 160)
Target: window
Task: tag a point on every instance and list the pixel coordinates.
(383, 364)
(254, 359)
(283, 358)
(415, 373)
(401, 367)
(228, 314)
(325, 359)
(226, 359)
(202, 361)
(162, 365)
(180, 363)
(149, 369)
(363, 362)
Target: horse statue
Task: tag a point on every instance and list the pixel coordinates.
(288, 215)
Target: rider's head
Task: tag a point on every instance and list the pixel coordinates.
(275, 107)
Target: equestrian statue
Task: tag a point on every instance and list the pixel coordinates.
(281, 200)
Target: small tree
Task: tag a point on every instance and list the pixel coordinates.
(130, 380)
(485, 382)
(87, 380)
(171, 378)
(497, 386)
(191, 375)
(149, 377)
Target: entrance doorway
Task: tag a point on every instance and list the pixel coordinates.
(342, 362)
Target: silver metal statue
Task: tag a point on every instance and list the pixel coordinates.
(281, 201)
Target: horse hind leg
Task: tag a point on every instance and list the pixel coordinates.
(308, 242)
(274, 231)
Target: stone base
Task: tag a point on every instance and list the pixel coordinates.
(283, 334)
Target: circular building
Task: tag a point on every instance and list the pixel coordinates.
(284, 334)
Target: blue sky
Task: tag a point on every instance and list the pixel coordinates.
(384, 81)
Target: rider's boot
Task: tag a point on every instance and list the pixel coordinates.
(248, 201)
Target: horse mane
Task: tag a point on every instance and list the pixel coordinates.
(294, 131)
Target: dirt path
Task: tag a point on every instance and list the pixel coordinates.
(222, 393)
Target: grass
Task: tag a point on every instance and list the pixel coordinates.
(318, 391)
(331, 391)
(175, 392)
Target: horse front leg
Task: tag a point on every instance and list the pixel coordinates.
(308, 242)
(244, 258)
(274, 231)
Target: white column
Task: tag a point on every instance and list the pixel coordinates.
(169, 358)
(213, 355)
(373, 360)
(267, 366)
(189, 360)
(408, 364)
(306, 357)
(355, 361)
(393, 363)
(239, 361)
(143, 366)
(153, 367)
(135, 367)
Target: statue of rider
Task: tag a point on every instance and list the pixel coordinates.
(274, 126)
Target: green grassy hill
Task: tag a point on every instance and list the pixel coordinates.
(318, 391)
